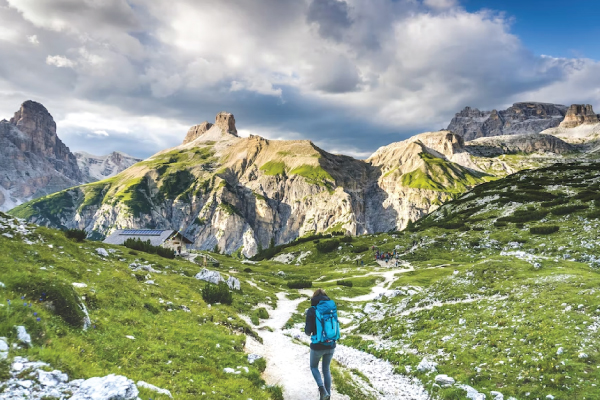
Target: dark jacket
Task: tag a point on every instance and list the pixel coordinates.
(310, 327)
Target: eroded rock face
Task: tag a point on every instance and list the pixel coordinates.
(33, 161)
(198, 130)
(579, 114)
(226, 122)
(535, 143)
(96, 168)
(519, 119)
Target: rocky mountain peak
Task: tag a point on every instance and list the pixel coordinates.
(519, 119)
(226, 122)
(196, 131)
(34, 120)
(579, 114)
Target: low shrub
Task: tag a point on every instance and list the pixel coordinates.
(154, 310)
(146, 247)
(568, 209)
(464, 228)
(524, 216)
(543, 229)
(248, 270)
(300, 284)
(345, 283)
(261, 364)
(79, 235)
(452, 225)
(593, 215)
(346, 239)
(60, 297)
(263, 313)
(276, 392)
(500, 224)
(328, 246)
(316, 241)
(217, 294)
(360, 249)
(557, 202)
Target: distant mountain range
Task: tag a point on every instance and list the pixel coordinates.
(244, 194)
(34, 162)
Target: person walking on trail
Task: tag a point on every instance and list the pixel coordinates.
(324, 330)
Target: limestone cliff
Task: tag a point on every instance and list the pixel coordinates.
(95, 168)
(579, 114)
(535, 143)
(519, 119)
(33, 160)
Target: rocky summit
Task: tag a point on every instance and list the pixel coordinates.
(33, 160)
(520, 118)
(579, 114)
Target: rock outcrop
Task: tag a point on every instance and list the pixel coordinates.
(579, 114)
(33, 161)
(226, 122)
(535, 143)
(521, 118)
(196, 131)
(96, 168)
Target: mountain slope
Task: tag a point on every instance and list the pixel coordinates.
(96, 168)
(33, 160)
(242, 194)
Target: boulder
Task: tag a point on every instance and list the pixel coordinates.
(145, 385)
(3, 349)
(102, 252)
(497, 395)
(53, 378)
(23, 336)
(209, 276)
(110, 387)
(233, 283)
(425, 365)
(472, 393)
(444, 380)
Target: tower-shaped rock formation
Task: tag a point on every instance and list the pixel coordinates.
(226, 122)
(196, 131)
(579, 114)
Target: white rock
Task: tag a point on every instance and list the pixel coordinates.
(102, 252)
(471, 392)
(233, 283)
(23, 336)
(79, 285)
(560, 351)
(2, 285)
(3, 345)
(497, 395)
(209, 276)
(550, 397)
(53, 378)
(145, 385)
(583, 355)
(253, 357)
(130, 337)
(230, 371)
(444, 380)
(110, 387)
(26, 384)
(462, 321)
(425, 365)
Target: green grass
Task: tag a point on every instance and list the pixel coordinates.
(274, 168)
(175, 349)
(315, 175)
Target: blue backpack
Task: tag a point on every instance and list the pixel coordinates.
(326, 320)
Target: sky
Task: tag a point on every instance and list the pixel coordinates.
(350, 75)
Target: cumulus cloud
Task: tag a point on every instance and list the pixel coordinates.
(350, 74)
(33, 39)
(60, 61)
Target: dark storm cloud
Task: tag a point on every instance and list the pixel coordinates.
(332, 16)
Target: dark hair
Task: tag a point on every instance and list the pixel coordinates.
(319, 292)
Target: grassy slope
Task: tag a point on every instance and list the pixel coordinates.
(175, 349)
(533, 294)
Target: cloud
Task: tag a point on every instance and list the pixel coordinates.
(33, 39)
(440, 4)
(60, 61)
(332, 17)
(351, 75)
(101, 133)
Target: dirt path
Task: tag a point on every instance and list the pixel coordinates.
(287, 362)
(384, 286)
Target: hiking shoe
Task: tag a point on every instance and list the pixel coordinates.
(323, 395)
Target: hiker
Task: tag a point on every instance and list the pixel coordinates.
(324, 329)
